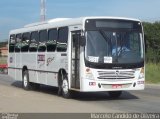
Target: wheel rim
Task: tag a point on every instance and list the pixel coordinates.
(25, 81)
(65, 86)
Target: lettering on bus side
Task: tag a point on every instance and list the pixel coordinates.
(41, 58)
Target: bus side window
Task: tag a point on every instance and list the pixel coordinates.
(18, 43)
(52, 39)
(42, 40)
(25, 42)
(62, 39)
(12, 43)
(34, 41)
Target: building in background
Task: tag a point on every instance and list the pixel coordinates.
(4, 51)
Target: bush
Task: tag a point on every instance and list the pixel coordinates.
(152, 73)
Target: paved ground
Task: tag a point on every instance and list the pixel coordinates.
(14, 99)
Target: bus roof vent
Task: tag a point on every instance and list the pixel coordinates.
(58, 19)
(46, 22)
(36, 24)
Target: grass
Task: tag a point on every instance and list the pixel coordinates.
(153, 73)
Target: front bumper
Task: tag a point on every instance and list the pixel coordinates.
(113, 85)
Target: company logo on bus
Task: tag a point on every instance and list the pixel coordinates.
(50, 60)
(117, 73)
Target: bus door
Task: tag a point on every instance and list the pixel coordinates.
(75, 64)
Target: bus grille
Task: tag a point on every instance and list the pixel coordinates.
(116, 74)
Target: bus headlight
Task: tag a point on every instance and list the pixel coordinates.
(89, 74)
(141, 75)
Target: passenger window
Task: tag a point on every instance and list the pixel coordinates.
(25, 42)
(12, 43)
(18, 43)
(43, 36)
(62, 39)
(34, 41)
(52, 38)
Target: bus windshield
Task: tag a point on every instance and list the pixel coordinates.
(114, 42)
(105, 46)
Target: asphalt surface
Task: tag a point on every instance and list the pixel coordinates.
(14, 99)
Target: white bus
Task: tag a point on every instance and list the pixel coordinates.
(89, 54)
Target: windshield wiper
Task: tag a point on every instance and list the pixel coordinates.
(103, 35)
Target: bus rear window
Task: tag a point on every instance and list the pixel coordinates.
(12, 43)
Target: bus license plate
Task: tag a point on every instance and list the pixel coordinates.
(115, 86)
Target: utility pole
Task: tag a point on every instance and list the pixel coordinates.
(43, 10)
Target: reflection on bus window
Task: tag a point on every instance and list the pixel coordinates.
(12, 43)
(18, 43)
(62, 39)
(34, 41)
(42, 40)
(25, 42)
(52, 39)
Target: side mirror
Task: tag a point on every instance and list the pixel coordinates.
(82, 41)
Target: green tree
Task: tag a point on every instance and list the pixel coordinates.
(152, 39)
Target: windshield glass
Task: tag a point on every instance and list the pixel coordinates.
(111, 46)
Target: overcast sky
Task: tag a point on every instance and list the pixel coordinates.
(17, 13)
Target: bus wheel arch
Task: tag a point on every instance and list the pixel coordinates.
(24, 68)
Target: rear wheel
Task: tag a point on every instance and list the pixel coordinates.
(115, 94)
(26, 84)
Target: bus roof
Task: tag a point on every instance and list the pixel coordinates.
(60, 22)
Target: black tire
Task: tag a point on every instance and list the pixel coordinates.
(25, 83)
(59, 90)
(60, 85)
(115, 94)
(66, 93)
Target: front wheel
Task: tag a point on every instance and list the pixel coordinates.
(115, 94)
(66, 93)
